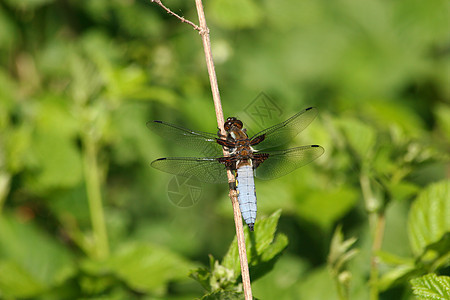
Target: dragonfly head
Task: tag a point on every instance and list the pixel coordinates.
(232, 121)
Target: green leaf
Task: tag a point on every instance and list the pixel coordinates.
(148, 268)
(216, 278)
(8, 35)
(317, 285)
(264, 232)
(202, 276)
(263, 247)
(58, 162)
(431, 287)
(361, 137)
(429, 217)
(235, 14)
(54, 155)
(134, 17)
(326, 206)
(282, 281)
(31, 260)
(17, 282)
(17, 146)
(396, 276)
(340, 252)
(391, 114)
(224, 295)
(55, 115)
(401, 190)
(392, 259)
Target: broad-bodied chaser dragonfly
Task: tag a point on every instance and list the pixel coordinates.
(247, 157)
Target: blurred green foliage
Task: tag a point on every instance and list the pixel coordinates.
(82, 215)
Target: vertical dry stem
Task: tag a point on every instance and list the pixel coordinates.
(204, 33)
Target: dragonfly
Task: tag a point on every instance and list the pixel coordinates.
(247, 157)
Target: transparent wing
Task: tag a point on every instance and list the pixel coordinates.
(280, 163)
(203, 142)
(284, 132)
(204, 169)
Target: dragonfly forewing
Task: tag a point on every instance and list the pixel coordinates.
(202, 142)
(285, 131)
(280, 163)
(204, 169)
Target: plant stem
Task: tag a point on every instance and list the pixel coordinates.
(5, 177)
(91, 173)
(377, 225)
(378, 228)
(182, 19)
(5, 181)
(204, 33)
(342, 295)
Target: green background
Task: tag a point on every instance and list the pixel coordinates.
(80, 79)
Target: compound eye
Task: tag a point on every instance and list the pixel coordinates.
(232, 121)
(228, 123)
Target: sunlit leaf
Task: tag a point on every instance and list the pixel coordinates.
(431, 287)
(429, 217)
(46, 266)
(17, 145)
(266, 232)
(148, 268)
(17, 282)
(263, 247)
(55, 116)
(326, 206)
(59, 162)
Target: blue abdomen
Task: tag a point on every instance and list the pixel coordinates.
(247, 194)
